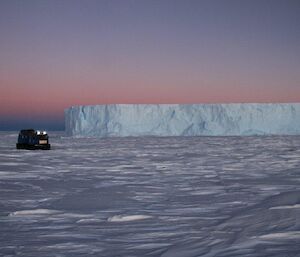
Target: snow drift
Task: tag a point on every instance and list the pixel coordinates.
(183, 119)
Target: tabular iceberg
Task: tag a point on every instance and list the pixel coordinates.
(183, 119)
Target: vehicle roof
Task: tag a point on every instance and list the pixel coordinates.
(27, 131)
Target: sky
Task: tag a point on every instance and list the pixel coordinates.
(60, 53)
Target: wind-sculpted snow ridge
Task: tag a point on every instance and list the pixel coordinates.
(183, 120)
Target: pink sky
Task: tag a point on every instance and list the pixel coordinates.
(57, 54)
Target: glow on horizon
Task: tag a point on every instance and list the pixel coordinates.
(57, 54)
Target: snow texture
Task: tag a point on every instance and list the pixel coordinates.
(151, 196)
(183, 120)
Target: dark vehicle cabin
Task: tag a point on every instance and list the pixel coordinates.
(33, 139)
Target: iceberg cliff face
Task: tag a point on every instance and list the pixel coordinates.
(183, 119)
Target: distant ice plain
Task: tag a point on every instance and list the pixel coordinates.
(151, 196)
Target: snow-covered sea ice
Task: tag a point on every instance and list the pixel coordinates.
(151, 196)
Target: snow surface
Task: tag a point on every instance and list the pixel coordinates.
(183, 120)
(126, 218)
(151, 196)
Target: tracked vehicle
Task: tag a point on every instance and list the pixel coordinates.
(31, 139)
